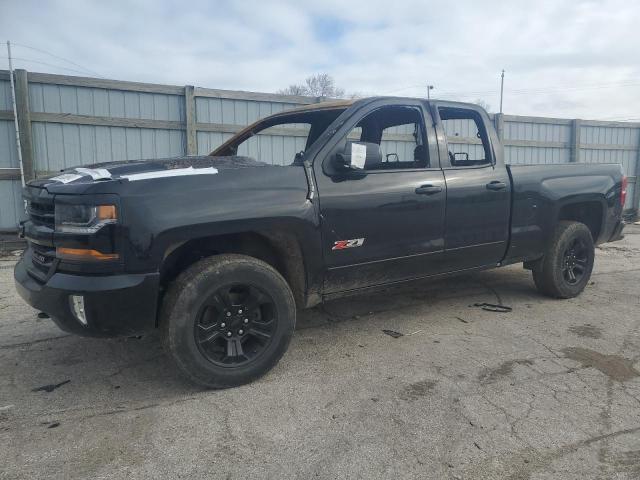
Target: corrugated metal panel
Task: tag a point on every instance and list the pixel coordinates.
(544, 155)
(609, 135)
(627, 158)
(8, 152)
(105, 103)
(236, 112)
(10, 190)
(536, 132)
(542, 132)
(628, 204)
(5, 95)
(11, 206)
(617, 136)
(58, 146)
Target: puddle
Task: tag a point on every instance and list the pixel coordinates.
(416, 390)
(613, 366)
(586, 330)
(503, 370)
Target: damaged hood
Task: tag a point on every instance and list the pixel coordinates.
(136, 170)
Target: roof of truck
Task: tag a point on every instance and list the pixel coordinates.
(324, 105)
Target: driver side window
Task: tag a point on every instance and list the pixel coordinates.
(399, 133)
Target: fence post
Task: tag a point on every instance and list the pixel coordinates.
(498, 122)
(24, 124)
(190, 119)
(635, 206)
(575, 140)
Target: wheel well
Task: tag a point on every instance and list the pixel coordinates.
(281, 251)
(589, 213)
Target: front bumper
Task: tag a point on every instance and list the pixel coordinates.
(115, 305)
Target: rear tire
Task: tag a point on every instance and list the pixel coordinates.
(227, 320)
(566, 267)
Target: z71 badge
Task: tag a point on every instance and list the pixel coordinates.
(342, 244)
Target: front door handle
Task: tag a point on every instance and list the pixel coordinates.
(428, 189)
(496, 185)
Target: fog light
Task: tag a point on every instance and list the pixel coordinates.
(77, 305)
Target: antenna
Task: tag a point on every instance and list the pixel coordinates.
(501, 88)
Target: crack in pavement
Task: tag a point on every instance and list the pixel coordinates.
(33, 342)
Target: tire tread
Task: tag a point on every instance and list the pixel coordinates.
(545, 273)
(187, 279)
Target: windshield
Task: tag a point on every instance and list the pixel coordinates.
(280, 139)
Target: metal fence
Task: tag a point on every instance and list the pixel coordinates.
(67, 121)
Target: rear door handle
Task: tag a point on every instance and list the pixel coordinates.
(428, 189)
(496, 185)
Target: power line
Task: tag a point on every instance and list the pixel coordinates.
(45, 63)
(59, 58)
(524, 91)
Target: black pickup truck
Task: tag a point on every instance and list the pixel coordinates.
(218, 251)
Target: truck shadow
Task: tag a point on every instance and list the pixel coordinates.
(502, 286)
(103, 373)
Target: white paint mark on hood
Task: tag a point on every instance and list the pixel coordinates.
(172, 172)
(66, 177)
(96, 174)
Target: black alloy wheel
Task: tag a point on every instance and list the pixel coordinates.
(575, 260)
(565, 268)
(227, 320)
(235, 325)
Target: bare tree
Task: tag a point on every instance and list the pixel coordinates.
(293, 90)
(319, 85)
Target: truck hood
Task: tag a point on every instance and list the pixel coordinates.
(136, 170)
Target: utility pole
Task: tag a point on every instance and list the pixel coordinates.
(15, 112)
(429, 88)
(501, 88)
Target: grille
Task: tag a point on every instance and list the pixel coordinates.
(41, 213)
(42, 257)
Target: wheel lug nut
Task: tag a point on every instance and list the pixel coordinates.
(246, 320)
(239, 312)
(223, 324)
(228, 314)
(240, 332)
(229, 334)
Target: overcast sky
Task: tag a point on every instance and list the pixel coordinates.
(562, 58)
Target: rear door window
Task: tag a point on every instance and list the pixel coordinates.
(467, 140)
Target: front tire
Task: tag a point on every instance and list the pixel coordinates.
(566, 267)
(227, 320)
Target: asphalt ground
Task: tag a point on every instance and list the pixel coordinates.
(548, 390)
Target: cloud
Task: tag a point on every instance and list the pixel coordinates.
(571, 58)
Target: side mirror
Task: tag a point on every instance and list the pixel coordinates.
(358, 156)
(342, 161)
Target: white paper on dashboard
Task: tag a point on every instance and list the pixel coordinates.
(358, 155)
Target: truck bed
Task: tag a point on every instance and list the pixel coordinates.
(540, 192)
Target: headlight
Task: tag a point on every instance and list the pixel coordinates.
(83, 219)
